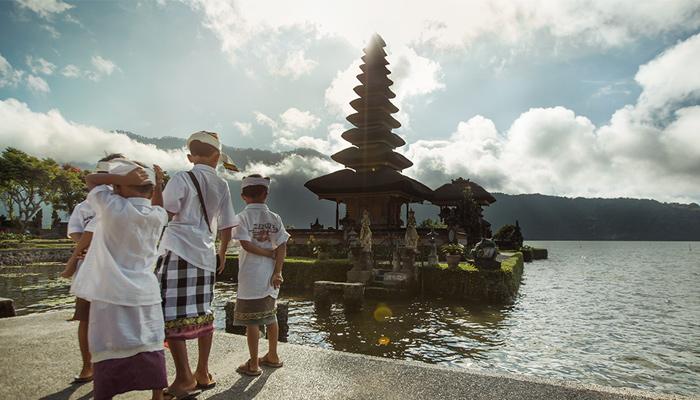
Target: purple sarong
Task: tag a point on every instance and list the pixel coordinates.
(144, 371)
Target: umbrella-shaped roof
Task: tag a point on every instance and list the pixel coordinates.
(451, 193)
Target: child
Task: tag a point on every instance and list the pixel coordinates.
(81, 225)
(126, 321)
(264, 241)
(199, 202)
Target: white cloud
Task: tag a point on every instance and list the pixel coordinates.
(40, 65)
(103, 67)
(264, 120)
(331, 144)
(51, 30)
(290, 124)
(295, 120)
(45, 8)
(37, 84)
(295, 65)
(71, 71)
(51, 135)
(9, 76)
(641, 152)
(293, 164)
(454, 23)
(245, 128)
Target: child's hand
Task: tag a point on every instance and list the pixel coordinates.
(271, 254)
(160, 176)
(136, 177)
(71, 266)
(222, 263)
(277, 280)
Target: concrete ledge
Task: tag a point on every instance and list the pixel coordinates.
(40, 356)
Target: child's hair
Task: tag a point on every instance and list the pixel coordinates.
(199, 148)
(254, 191)
(110, 157)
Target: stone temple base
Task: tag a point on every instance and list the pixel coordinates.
(359, 276)
(400, 280)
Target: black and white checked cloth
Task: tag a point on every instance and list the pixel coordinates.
(186, 290)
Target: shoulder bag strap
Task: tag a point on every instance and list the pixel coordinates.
(201, 198)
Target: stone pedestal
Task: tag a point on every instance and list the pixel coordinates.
(282, 320)
(7, 308)
(363, 277)
(398, 280)
(352, 295)
(408, 260)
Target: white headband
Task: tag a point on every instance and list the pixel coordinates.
(102, 166)
(253, 181)
(122, 166)
(209, 138)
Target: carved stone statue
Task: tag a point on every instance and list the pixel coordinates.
(411, 238)
(366, 233)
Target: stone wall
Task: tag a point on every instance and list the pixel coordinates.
(481, 286)
(30, 256)
(298, 274)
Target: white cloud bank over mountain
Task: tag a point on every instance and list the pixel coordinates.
(649, 149)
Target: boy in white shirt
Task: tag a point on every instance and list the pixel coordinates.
(199, 202)
(264, 242)
(126, 330)
(81, 226)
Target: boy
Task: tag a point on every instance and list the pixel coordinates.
(264, 242)
(126, 321)
(81, 225)
(199, 202)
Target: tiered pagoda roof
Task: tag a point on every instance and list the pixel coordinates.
(451, 194)
(372, 164)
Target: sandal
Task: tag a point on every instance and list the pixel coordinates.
(267, 363)
(207, 386)
(245, 370)
(180, 394)
(77, 380)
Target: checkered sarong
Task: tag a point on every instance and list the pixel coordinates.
(186, 290)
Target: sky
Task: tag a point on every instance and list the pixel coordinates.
(560, 97)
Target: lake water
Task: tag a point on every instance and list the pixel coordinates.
(624, 314)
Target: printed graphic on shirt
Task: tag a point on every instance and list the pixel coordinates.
(261, 232)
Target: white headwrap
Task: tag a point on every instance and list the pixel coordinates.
(209, 138)
(122, 166)
(102, 166)
(254, 181)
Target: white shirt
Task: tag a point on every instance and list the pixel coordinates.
(80, 218)
(187, 234)
(263, 228)
(118, 269)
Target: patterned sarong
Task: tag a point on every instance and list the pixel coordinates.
(187, 292)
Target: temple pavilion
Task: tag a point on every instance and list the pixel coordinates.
(372, 178)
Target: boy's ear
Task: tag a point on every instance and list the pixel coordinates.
(189, 157)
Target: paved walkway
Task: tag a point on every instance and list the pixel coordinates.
(39, 356)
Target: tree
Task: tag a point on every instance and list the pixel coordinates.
(431, 223)
(70, 188)
(469, 216)
(26, 183)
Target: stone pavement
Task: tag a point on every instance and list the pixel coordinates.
(40, 355)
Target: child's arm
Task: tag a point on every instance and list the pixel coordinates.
(72, 263)
(157, 198)
(75, 236)
(280, 254)
(136, 177)
(225, 238)
(253, 249)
